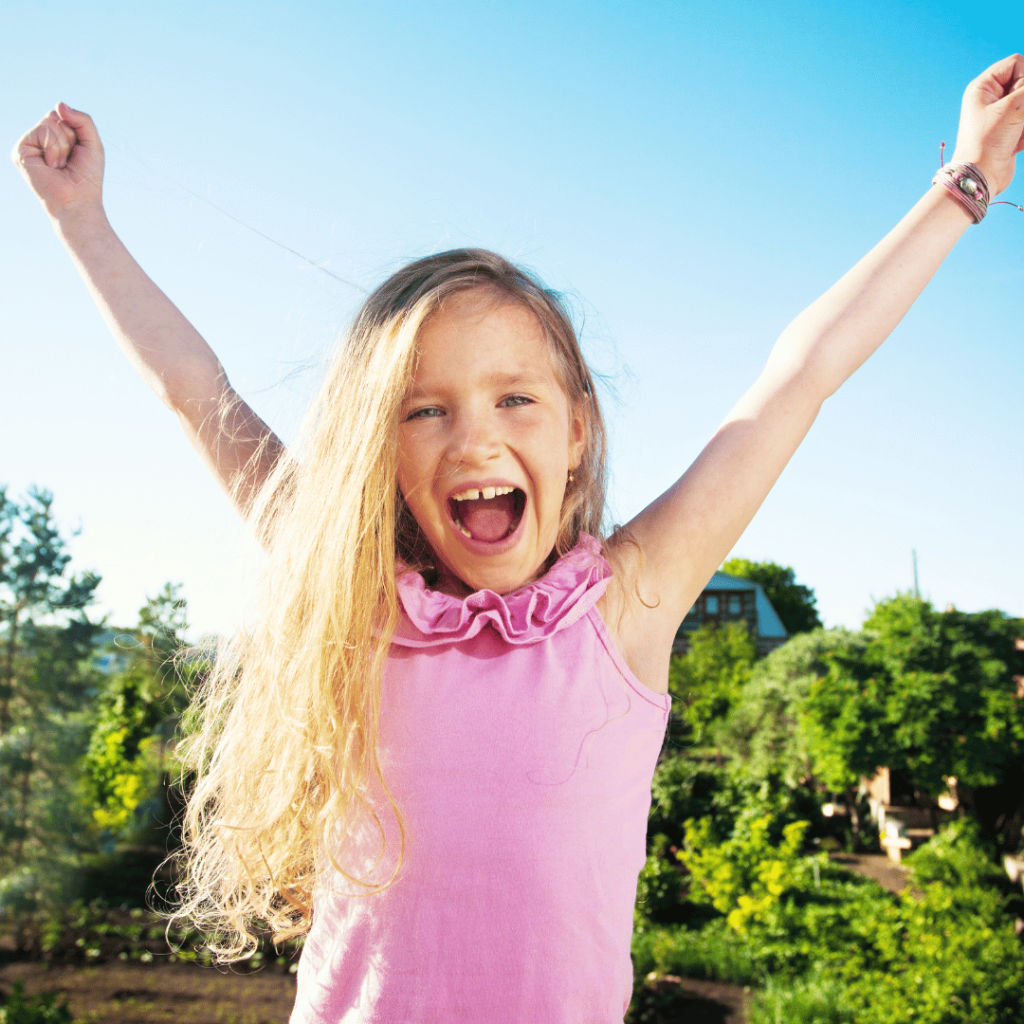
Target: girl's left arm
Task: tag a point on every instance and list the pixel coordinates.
(685, 534)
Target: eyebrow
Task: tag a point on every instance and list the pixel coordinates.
(511, 381)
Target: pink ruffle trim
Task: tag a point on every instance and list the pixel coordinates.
(559, 598)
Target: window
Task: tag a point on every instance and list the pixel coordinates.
(711, 604)
(735, 605)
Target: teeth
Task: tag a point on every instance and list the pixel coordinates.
(474, 494)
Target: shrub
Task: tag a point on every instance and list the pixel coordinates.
(40, 1009)
(660, 885)
(744, 876)
(714, 952)
(815, 999)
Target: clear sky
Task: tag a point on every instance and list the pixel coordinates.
(692, 174)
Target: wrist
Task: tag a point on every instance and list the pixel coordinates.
(967, 184)
(994, 171)
(77, 220)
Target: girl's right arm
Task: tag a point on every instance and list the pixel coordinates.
(62, 160)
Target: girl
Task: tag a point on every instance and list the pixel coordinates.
(441, 772)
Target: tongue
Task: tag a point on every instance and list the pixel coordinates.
(488, 519)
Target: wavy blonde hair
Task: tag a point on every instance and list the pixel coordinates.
(283, 738)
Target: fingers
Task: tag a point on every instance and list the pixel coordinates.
(1000, 80)
(1009, 73)
(81, 123)
(64, 136)
(62, 159)
(51, 141)
(55, 140)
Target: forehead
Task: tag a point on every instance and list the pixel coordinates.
(482, 331)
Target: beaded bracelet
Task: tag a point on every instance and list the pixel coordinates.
(956, 188)
(967, 185)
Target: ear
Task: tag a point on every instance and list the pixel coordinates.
(579, 434)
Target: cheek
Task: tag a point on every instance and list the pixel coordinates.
(410, 462)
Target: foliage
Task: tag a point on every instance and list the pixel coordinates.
(81, 750)
(46, 684)
(660, 885)
(763, 732)
(95, 932)
(832, 947)
(746, 875)
(712, 952)
(956, 858)
(818, 998)
(123, 767)
(952, 697)
(682, 788)
(842, 722)
(930, 693)
(708, 679)
(687, 787)
(45, 1008)
(795, 604)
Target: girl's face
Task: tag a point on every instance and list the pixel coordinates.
(486, 441)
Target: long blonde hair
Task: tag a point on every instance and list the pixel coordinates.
(283, 743)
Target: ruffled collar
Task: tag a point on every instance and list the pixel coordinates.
(563, 595)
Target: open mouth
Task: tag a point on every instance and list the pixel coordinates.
(487, 514)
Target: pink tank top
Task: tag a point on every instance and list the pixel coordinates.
(520, 749)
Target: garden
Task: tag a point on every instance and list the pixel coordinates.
(746, 910)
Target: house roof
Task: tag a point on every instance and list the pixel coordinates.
(768, 622)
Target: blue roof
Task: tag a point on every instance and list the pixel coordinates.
(768, 622)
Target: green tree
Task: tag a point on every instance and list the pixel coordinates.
(46, 682)
(708, 678)
(137, 714)
(932, 694)
(843, 722)
(941, 692)
(795, 603)
(952, 699)
(766, 731)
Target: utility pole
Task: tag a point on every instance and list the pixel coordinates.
(917, 589)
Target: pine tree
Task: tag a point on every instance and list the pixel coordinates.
(46, 681)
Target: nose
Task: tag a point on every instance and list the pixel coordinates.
(475, 438)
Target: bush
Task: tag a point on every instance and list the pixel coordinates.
(714, 952)
(682, 788)
(815, 999)
(956, 857)
(744, 876)
(660, 885)
(830, 948)
(41, 1009)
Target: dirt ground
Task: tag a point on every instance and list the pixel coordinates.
(711, 1002)
(133, 993)
(876, 866)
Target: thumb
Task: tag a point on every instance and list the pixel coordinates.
(82, 123)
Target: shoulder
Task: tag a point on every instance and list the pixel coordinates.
(643, 642)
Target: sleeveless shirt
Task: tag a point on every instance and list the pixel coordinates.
(519, 749)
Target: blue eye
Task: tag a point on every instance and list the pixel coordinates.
(514, 400)
(426, 413)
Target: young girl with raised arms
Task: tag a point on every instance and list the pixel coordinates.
(432, 753)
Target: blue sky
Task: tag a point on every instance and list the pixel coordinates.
(692, 175)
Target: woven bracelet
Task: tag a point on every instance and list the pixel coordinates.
(967, 185)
